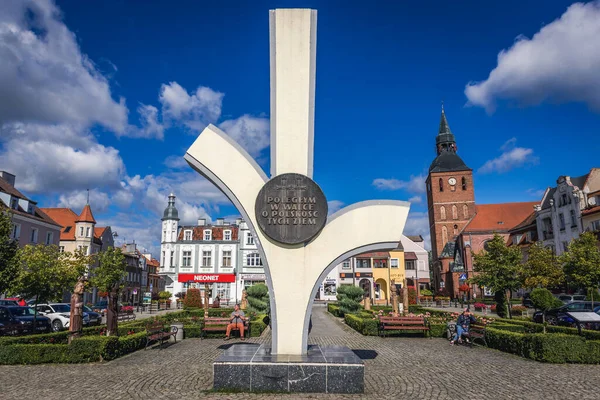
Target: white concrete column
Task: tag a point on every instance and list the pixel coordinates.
(293, 66)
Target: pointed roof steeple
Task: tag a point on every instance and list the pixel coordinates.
(171, 211)
(86, 215)
(444, 127)
(445, 145)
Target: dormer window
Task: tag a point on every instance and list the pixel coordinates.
(227, 235)
(14, 204)
(187, 235)
(207, 234)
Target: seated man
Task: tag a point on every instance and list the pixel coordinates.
(462, 325)
(236, 322)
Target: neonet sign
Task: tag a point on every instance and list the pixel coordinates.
(206, 278)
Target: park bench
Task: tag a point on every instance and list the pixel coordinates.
(157, 331)
(217, 324)
(125, 317)
(477, 331)
(402, 324)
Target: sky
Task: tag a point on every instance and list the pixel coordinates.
(107, 96)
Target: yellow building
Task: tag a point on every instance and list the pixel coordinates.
(384, 271)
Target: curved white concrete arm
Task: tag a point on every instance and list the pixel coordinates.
(224, 162)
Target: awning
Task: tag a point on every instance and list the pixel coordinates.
(410, 256)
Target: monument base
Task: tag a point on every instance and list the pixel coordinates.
(251, 367)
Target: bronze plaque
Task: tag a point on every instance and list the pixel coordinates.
(291, 209)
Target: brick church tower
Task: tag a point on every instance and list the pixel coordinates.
(451, 204)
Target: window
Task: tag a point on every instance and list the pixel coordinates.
(441, 185)
(253, 260)
(81, 231)
(16, 231)
(49, 237)
(561, 217)
(162, 259)
(172, 264)
(444, 235)
(346, 265)
(456, 229)
(227, 258)
(428, 187)
(443, 212)
(87, 232)
(187, 259)
(394, 263)
(454, 212)
(61, 249)
(464, 183)
(465, 211)
(410, 264)
(421, 265)
(573, 219)
(34, 235)
(187, 235)
(249, 238)
(227, 235)
(207, 258)
(14, 203)
(596, 225)
(165, 236)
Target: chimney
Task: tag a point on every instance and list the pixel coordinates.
(8, 177)
(201, 221)
(238, 221)
(130, 248)
(220, 221)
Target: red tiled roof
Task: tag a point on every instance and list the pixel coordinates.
(99, 231)
(217, 232)
(86, 215)
(65, 217)
(375, 254)
(499, 217)
(591, 211)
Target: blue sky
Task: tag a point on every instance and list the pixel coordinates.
(108, 97)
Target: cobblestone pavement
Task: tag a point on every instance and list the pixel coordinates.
(399, 368)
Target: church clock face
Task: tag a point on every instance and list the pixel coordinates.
(452, 181)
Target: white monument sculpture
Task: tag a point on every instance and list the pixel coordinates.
(294, 270)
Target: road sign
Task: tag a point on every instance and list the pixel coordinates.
(134, 291)
(462, 277)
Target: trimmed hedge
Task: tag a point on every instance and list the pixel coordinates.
(335, 310)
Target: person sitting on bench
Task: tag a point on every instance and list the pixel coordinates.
(236, 322)
(462, 325)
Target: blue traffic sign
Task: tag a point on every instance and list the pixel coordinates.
(462, 277)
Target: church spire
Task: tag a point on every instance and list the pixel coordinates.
(445, 139)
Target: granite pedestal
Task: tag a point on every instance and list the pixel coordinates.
(324, 369)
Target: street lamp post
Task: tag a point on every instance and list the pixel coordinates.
(235, 278)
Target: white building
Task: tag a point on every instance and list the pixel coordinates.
(223, 255)
(558, 217)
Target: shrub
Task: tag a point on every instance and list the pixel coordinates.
(412, 295)
(426, 293)
(164, 295)
(258, 299)
(334, 309)
(518, 309)
(193, 299)
(500, 298)
(349, 298)
(479, 305)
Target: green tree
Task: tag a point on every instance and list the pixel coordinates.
(109, 277)
(543, 300)
(258, 299)
(498, 268)
(541, 269)
(192, 299)
(349, 298)
(9, 266)
(46, 274)
(581, 262)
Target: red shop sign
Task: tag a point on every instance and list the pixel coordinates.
(206, 278)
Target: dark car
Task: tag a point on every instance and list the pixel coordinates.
(8, 325)
(558, 316)
(95, 318)
(25, 316)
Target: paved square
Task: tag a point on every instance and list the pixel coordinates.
(409, 368)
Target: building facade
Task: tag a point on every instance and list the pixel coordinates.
(31, 225)
(563, 213)
(223, 255)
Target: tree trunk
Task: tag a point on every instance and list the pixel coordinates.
(35, 313)
(544, 320)
(112, 313)
(592, 295)
(508, 304)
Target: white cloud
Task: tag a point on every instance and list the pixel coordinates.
(415, 199)
(194, 111)
(44, 77)
(150, 126)
(539, 193)
(511, 158)
(333, 206)
(560, 64)
(418, 224)
(252, 133)
(76, 200)
(416, 184)
(175, 162)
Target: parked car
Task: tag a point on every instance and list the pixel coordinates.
(95, 318)
(25, 316)
(569, 298)
(5, 302)
(59, 314)
(8, 325)
(558, 316)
